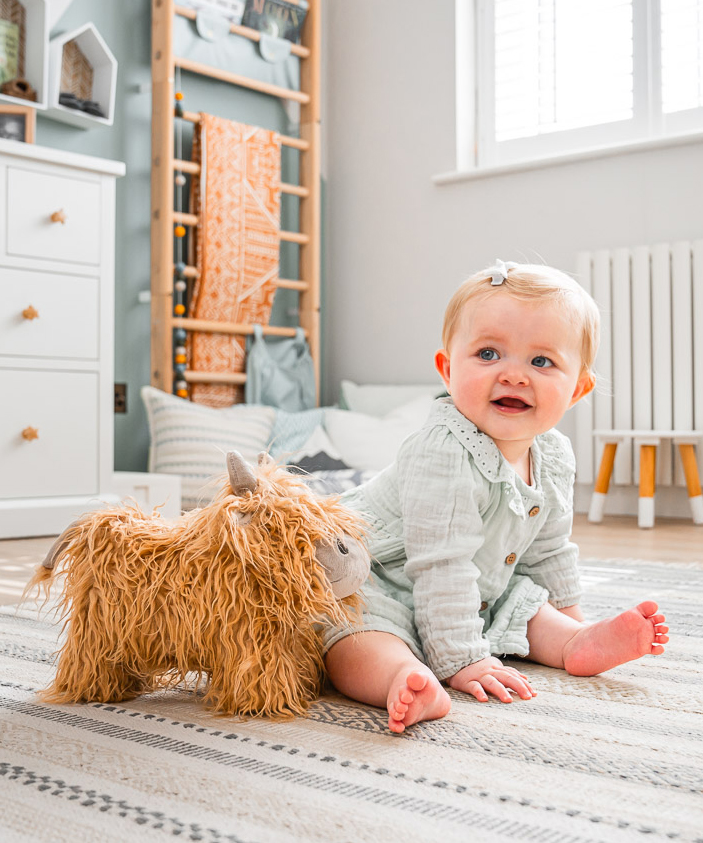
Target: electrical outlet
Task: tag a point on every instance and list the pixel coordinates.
(120, 397)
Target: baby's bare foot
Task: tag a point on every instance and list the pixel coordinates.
(414, 696)
(606, 644)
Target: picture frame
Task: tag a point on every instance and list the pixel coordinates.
(17, 122)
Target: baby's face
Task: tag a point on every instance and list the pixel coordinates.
(513, 368)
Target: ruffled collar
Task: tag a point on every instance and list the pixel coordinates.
(552, 484)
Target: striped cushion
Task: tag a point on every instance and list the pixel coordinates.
(191, 440)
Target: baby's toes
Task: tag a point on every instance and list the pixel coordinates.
(396, 726)
(658, 618)
(398, 710)
(648, 609)
(406, 696)
(657, 649)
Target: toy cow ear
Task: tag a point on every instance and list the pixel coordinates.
(265, 458)
(241, 476)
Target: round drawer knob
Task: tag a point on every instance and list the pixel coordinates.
(59, 216)
(30, 433)
(30, 312)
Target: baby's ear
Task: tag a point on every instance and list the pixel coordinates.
(584, 385)
(441, 362)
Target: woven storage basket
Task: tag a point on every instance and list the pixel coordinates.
(76, 72)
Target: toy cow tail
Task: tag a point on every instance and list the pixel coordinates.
(43, 576)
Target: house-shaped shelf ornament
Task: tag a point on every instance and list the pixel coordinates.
(82, 72)
(27, 26)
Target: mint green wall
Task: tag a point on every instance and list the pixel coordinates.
(126, 27)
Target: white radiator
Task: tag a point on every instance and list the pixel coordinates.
(650, 362)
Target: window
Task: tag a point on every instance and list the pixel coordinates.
(560, 76)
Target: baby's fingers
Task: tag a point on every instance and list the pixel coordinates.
(476, 690)
(521, 686)
(494, 686)
(514, 671)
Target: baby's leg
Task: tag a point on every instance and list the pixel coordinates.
(587, 649)
(380, 669)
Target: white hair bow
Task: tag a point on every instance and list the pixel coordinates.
(500, 272)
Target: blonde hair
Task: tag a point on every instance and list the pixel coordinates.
(532, 283)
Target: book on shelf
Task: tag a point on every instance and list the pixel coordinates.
(9, 50)
(279, 18)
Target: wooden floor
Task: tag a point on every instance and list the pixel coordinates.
(618, 537)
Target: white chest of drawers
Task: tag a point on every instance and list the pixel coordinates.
(57, 255)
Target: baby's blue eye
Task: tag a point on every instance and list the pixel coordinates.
(542, 362)
(488, 354)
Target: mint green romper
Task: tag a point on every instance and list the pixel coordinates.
(463, 551)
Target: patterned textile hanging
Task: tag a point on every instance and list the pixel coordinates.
(238, 202)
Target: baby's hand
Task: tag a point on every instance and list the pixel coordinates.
(492, 676)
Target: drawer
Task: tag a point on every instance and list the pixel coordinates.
(32, 199)
(62, 407)
(48, 315)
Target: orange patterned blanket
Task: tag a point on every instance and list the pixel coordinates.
(238, 201)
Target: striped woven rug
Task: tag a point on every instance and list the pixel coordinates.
(611, 758)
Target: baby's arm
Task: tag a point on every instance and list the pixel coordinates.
(552, 562)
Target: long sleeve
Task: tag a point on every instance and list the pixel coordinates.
(443, 529)
(551, 561)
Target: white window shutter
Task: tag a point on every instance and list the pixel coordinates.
(681, 55)
(561, 65)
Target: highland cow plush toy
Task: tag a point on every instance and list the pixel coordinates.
(229, 594)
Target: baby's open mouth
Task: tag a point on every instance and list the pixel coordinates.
(513, 403)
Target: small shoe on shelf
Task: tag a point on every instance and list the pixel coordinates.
(70, 101)
(91, 107)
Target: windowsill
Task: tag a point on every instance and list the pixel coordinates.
(555, 160)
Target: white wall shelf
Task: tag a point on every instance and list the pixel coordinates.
(81, 63)
(34, 32)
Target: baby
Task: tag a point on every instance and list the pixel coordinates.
(469, 528)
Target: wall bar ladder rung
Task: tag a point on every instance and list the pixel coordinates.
(286, 236)
(194, 168)
(294, 190)
(186, 166)
(237, 378)
(243, 81)
(244, 31)
(239, 328)
(286, 140)
(284, 283)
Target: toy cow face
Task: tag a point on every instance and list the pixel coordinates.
(343, 557)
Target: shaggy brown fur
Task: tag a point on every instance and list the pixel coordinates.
(229, 593)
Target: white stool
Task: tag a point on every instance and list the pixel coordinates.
(647, 441)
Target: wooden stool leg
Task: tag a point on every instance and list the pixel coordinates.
(648, 461)
(595, 512)
(693, 483)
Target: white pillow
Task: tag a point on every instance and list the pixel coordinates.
(381, 399)
(371, 443)
(191, 440)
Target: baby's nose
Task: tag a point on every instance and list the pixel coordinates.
(514, 373)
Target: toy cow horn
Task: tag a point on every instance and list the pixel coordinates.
(241, 477)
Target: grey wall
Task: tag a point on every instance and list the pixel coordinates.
(126, 27)
(398, 244)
